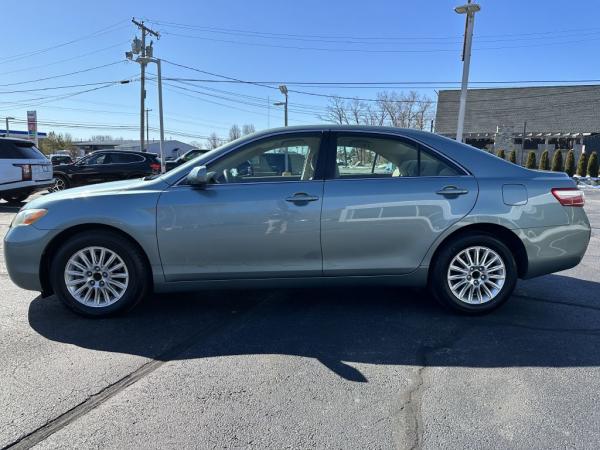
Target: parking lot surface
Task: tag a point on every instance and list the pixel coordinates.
(360, 368)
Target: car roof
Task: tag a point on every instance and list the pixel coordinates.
(128, 152)
(22, 141)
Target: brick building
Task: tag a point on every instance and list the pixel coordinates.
(562, 117)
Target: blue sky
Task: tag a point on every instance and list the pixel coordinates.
(315, 41)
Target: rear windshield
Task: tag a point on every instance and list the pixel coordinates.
(19, 150)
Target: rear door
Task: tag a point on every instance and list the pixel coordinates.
(127, 165)
(386, 200)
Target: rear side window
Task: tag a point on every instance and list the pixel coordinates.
(124, 158)
(19, 150)
(373, 157)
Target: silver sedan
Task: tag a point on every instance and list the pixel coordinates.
(305, 206)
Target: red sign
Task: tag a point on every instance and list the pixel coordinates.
(32, 124)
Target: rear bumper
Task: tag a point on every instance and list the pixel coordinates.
(552, 249)
(27, 187)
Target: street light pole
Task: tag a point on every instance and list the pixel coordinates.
(284, 90)
(469, 9)
(147, 126)
(160, 118)
(7, 128)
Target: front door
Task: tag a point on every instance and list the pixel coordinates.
(259, 218)
(386, 201)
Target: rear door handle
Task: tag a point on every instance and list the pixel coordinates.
(301, 197)
(452, 190)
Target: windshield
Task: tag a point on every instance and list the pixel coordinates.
(179, 172)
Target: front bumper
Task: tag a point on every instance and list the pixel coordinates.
(23, 250)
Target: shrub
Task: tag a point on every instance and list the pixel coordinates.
(500, 154)
(545, 161)
(531, 162)
(592, 168)
(582, 165)
(512, 156)
(557, 161)
(570, 163)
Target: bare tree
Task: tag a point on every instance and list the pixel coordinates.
(248, 129)
(395, 109)
(234, 132)
(213, 141)
(336, 111)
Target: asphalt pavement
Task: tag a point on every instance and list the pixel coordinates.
(340, 368)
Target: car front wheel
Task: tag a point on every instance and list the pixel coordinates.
(99, 274)
(474, 274)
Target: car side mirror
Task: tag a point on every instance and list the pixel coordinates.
(199, 177)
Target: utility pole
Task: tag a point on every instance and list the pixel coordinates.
(284, 90)
(142, 51)
(523, 142)
(469, 9)
(147, 126)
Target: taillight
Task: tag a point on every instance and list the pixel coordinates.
(155, 167)
(25, 171)
(569, 196)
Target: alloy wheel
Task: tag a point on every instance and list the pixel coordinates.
(476, 275)
(96, 276)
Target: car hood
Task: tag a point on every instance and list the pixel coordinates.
(96, 190)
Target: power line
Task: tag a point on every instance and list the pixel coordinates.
(72, 58)
(104, 30)
(50, 88)
(458, 38)
(89, 69)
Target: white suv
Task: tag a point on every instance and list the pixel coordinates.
(23, 170)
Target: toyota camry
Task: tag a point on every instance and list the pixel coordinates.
(305, 206)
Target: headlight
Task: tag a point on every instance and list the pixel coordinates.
(28, 217)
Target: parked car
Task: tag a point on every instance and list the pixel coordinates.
(60, 159)
(419, 210)
(23, 170)
(105, 165)
(187, 156)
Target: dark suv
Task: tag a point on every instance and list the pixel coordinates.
(105, 165)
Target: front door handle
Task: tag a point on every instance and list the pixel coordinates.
(452, 190)
(301, 197)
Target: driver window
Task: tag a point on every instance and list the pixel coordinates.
(102, 158)
(276, 159)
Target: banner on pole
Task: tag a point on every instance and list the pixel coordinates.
(32, 125)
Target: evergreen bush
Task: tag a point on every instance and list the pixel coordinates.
(531, 162)
(545, 161)
(557, 162)
(570, 163)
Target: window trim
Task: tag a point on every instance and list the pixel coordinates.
(319, 176)
(332, 151)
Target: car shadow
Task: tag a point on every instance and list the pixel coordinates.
(10, 208)
(541, 326)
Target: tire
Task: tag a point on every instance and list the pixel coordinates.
(16, 198)
(448, 273)
(106, 297)
(60, 184)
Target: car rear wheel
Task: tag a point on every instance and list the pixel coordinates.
(474, 274)
(60, 184)
(99, 274)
